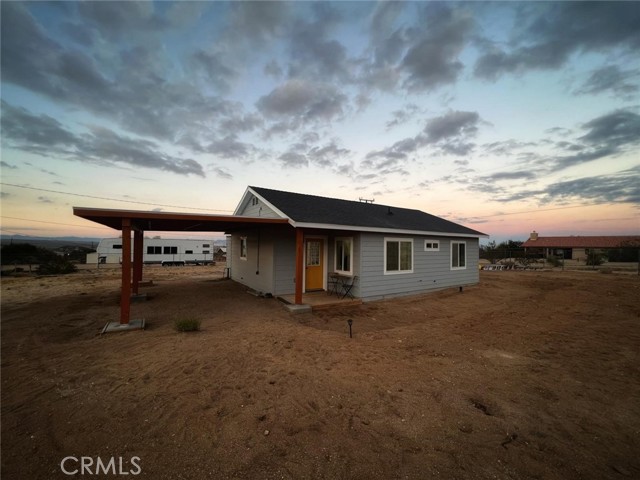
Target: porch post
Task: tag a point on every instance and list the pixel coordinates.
(125, 299)
(138, 239)
(299, 265)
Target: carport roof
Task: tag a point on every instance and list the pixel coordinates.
(172, 221)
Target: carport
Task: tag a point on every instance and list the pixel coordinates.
(139, 222)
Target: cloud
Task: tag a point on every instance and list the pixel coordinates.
(230, 147)
(44, 200)
(548, 34)
(433, 60)
(46, 136)
(613, 79)
(614, 129)
(328, 155)
(407, 113)
(293, 160)
(4, 164)
(303, 100)
(215, 68)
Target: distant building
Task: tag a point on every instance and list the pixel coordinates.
(576, 247)
(157, 250)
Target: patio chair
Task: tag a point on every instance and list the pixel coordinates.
(347, 287)
(333, 284)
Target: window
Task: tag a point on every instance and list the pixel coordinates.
(254, 201)
(344, 249)
(398, 255)
(206, 245)
(431, 245)
(154, 250)
(206, 251)
(458, 255)
(188, 251)
(117, 247)
(170, 250)
(243, 248)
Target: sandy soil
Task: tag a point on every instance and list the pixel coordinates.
(530, 375)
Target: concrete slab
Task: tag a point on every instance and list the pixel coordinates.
(118, 327)
(297, 308)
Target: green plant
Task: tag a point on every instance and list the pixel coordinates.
(595, 258)
(187, 325)
(554, 261)
(57, 266)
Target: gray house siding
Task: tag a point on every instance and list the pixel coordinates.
(257, 210)
(256, 271)
(284, 264)
(431, 269)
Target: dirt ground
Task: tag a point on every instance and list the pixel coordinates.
(529, 375)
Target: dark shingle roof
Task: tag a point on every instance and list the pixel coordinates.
(322, 210)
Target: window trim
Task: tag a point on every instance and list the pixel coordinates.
(335, 255)
(431, 241)
(243, 239)
(400, 241)
(458, 243)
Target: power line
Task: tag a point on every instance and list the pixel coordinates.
(537, 210)
(52, 223)
(111, 199)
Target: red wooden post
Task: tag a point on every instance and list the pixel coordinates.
(138, 239)
(299, 265)
(125, 299)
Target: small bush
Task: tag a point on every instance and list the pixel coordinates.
(187, 325)
(554, 261)
(57, 266)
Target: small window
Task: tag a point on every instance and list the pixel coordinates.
(117, 247)
(189, 252)
(170, 250)
(398, 256)
(243, 248)
(206, 251)
(343, 251)
(431, 245)
(154, 250)
(205, 245)
(254, 201)
(458, 255)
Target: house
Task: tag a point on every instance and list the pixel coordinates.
(383, 251)
(283, 243)
(576, 247)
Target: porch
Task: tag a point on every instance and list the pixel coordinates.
(320, 300)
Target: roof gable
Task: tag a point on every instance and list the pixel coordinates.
(311, 209)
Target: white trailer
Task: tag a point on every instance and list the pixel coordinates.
(164, 251)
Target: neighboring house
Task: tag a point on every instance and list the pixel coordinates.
(390, 251)
(576, 247)
(156, 250)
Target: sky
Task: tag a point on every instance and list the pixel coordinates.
(505, 117)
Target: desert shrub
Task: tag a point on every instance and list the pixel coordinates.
(57, 266)
(187, 325)
(595, 258)
(554, 261)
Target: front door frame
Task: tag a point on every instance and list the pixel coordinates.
(325, 259)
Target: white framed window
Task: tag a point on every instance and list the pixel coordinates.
(398, 255)
(458, 255)
(431, 245)
(344, 255)
(243, 248)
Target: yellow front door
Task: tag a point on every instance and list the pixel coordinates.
(314, 273)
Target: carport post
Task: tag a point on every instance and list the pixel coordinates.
(299, 265)
(138, 239)
(125, 299)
